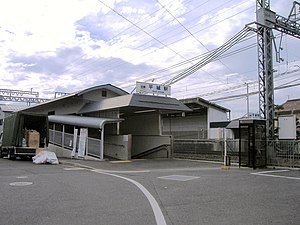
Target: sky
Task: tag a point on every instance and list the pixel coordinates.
(66, 46)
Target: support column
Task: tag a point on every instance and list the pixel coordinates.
(63, 136)
(53, 141)
(102, 143)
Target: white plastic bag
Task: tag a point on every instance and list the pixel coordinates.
(45, 157)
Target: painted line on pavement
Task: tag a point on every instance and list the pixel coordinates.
(271, 171)
(159, 217)
(123, 161)
(266, 174)
(122, 171)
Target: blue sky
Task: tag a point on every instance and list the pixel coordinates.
(54, 45)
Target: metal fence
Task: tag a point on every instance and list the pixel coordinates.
(279, 153)
(283, 153)
(206, 149)
(65, 140)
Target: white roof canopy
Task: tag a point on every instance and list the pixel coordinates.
(82, 121)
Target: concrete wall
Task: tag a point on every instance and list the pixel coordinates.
(190, 127)
(215, 115)
(143, 143)
(141, 124)
(118, 146)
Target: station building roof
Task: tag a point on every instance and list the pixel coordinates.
(121, 100)
(202, 103)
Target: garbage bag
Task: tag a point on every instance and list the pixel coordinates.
(45, 157)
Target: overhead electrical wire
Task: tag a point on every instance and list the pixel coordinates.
(121, 32)
(235, 97)
(91, 70)
(151, 75)
(238, 87)
(84, 72)
(187, 30)
(156, 39)
(153, 51)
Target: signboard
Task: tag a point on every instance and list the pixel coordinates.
(287, 127)
(150, 88)
(82, 142)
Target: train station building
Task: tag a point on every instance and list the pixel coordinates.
(119, 125)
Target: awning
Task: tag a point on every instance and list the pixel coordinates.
(82, 121)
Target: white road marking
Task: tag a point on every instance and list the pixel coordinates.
(179, 177)
(159, 217)
(21, 183)
(121, 171)
(265, 173)
(271, 171)
(74, 168)
(22, 177)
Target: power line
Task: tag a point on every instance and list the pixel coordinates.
(128, 28)
(152, 74)
(150, 31)
(181, 24)
(84, 72)
(149, 35)
(233, 97)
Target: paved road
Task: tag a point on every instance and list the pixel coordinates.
(94, 196)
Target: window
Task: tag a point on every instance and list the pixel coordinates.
(104, 93)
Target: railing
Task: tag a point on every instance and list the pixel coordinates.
(66, 141)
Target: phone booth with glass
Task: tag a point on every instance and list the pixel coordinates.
(252, 143)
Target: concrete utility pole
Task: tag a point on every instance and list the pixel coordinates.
(266, 21)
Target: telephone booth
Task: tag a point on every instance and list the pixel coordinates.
(252, 143)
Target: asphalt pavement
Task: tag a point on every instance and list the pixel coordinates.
(135, 192)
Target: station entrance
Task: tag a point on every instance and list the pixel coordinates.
(253, 143)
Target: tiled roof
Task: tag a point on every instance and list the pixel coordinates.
(290, 105)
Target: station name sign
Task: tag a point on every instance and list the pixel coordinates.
(150, 88)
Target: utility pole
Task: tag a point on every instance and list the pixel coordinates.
(265, 66)
(266, 21)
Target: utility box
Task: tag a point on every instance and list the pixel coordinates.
(287, 127)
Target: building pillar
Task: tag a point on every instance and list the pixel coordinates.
(63, 136)
(102, 143)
